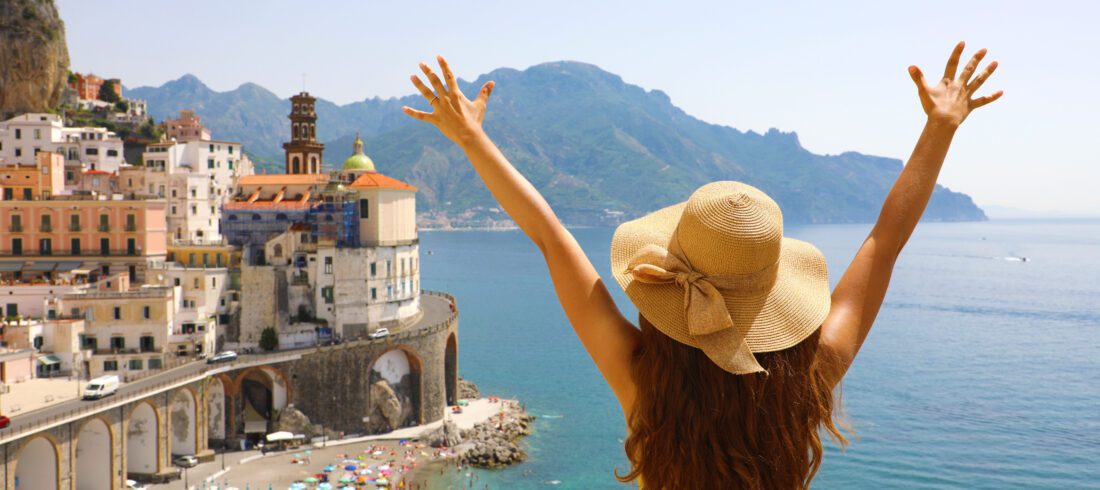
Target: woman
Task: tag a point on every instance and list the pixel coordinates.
(730, 378)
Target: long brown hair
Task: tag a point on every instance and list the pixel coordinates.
(694, 425)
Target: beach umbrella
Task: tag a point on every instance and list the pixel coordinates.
(312, 480)
(351, 467)
(346, 480)
(324, 486)
(329, 468)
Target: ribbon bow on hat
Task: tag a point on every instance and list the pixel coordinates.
(708, 320)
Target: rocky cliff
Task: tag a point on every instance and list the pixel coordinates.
(34, 59)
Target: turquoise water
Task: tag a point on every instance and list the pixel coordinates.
(981, 372)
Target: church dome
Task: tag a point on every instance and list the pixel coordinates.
(358, 160)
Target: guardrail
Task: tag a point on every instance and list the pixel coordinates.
(90, 407)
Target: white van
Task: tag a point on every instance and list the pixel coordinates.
(101, 387)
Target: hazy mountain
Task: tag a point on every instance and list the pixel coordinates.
(586, 139)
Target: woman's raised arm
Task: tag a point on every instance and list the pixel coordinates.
(860, 292)
(608, 337)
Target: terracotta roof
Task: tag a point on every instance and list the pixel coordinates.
(283, 179)
(375, 179)
(300, 227)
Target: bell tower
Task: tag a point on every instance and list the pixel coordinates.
(303, 152)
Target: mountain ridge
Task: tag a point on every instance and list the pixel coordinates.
(598, 147)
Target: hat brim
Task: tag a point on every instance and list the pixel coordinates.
(776, 318)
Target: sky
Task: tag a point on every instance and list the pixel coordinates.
(834, 72)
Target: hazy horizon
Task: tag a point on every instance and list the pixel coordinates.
(834, 74)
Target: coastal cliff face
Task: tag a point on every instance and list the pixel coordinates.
(34, 59)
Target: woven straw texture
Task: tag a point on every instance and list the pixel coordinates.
(775, 289)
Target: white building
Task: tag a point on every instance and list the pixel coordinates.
(83, 148)
(195, 177)
(202, 298)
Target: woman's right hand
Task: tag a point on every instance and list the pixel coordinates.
(457, 117)
(948, 101)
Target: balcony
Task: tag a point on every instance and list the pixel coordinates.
(15, 228)
(131, 227)
(104, 227)
(46, 227)
(71, 253)
(74, 227)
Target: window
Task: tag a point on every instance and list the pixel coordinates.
(47, 224)
(326, 293)
(198, 284)
(373, 269)
(91, 151)
(230, 149)
(16, 221)
(146, 313)
(131, 246)
(104, 222)
(113, 153)
(117, 315)
(176, 280)
(389, 268)
(135, 364)
(194, 192)
(147, 343)
(45, 246)
(328, 265)
(173, 193)
(211, 147)
(230, 165)
(205, 259)
(105, 246)
(131, 222)
(18, 151)
(18, 134)
(74, 222)
(17, 246)
(210, 163)
(154, 363)
(88, 342)
(364, 209)
(118, 342)
(37, 134)
(373, 293)
(110, 365)
(74, 246)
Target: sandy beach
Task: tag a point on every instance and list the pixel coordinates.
(398, 459)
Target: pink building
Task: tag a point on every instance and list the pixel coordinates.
(44, 179)
(188, 127)
(40, 239)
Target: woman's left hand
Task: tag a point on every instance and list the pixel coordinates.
(457, 117)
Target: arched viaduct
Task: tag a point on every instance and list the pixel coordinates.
(98, 445)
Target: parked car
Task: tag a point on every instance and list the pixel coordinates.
(227, 356)
(101, 387)
(380, 333)
(188, 461)
(5, 421)
(133, 485)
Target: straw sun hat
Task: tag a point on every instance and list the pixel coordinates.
(716, 273)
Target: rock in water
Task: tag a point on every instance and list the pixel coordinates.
(34, 59)
(467, 389)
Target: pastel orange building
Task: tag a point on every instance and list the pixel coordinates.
(39, 239)
(44, 179)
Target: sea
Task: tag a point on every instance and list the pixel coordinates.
(982, 370)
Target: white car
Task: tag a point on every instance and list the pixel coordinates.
(186, 461)
(227, 356)
(380, 333)
(133, 485)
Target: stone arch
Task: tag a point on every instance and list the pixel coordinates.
(264, 390)
(37, 464)
(313, 167)
(450, 369)
(95, 463)
(142, 439)
(396, 389)
(216, 409)
(295, 165)
(183, 418)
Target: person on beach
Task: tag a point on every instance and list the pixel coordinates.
(731, 376)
